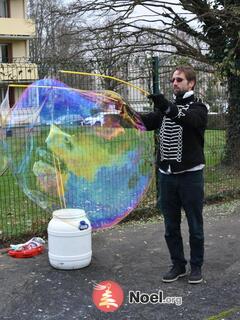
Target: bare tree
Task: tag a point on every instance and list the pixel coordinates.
(212, 29)
(55, 43)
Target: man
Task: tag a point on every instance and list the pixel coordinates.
(181, 161)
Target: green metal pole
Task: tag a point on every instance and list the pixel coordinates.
(156, 90)
(155, 75)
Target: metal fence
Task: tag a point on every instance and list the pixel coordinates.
(21, 217)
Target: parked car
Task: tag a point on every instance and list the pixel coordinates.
(99, 119)
(69, 119)
(23, 117)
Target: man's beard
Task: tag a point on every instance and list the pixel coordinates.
(179, 93)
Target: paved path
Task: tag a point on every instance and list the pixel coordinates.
(135, 256)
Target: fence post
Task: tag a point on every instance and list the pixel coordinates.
(156, 90)
(155, 75)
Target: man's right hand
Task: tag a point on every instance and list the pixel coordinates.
(159, 101)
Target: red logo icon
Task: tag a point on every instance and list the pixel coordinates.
(108, 296)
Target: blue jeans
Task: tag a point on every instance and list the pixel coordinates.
(184, 190)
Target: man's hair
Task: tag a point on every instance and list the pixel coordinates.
(189, 72)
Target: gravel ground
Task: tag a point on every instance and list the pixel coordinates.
(135, 256)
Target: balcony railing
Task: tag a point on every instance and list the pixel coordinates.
(15, 60)
(20, 70)
(16, 28)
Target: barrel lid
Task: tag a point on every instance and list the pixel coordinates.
(69, 213)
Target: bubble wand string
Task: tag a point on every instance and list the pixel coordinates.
(60, 187)
(146, 93)
(61, 182)
(84, 92)
(13, 85)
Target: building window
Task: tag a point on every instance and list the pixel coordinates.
(11, 95)
(5, 53)
(3, 8)
(3, 92)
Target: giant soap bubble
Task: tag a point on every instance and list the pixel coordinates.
(79, 149)
(4, 112)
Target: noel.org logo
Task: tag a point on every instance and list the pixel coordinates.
(108, 296)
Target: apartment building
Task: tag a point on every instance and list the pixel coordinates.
(15, 32)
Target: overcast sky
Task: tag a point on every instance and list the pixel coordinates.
(147, 14)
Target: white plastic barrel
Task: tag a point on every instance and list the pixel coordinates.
(69, 239)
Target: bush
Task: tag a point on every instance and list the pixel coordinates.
(217, 121)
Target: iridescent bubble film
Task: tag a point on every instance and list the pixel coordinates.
(4, 113)
(79, 149)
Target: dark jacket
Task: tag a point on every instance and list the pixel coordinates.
(180, 135)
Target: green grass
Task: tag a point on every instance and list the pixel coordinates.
(219, 179)
(20, 216)
(225, 314)
(214, 146)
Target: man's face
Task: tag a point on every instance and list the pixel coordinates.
(180, 84)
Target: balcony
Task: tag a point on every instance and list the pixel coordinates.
(16, 28)
(20, 70)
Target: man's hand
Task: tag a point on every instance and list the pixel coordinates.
(160, 102)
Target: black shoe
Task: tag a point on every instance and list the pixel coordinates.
(195, 275)
(174, 273)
